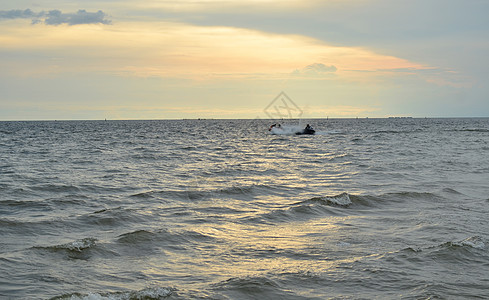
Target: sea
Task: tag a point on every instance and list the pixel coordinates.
(394, 208)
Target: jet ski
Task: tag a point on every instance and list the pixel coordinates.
(289, 129)
(306, 131)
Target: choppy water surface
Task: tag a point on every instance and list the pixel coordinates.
(220, 209)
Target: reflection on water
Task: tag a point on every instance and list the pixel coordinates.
(220, 209)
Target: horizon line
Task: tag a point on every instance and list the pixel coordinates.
(265, 119)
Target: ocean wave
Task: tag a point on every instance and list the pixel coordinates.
(394, 131)
(247, 283)
(482, 130)
(69, 200)
(337, 204)
(409, 195)
(475, 242)
(152, 293)
(79, 245)
(75, 246)
(348, 200)
(341, 157)
(136, 237)
(78, 249)
(56, 188)
(81, 249)
(113, 217)
(256, 287)
(26, 204)
(342, 199)
(164, 238)
(253, 287)
(18, 192)
(197, 194)
(451, 191)
(298, 211)
(7, 169)
(25, 227)
(450, 252)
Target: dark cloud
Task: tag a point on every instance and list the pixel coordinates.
(57, 17)
(17, 14)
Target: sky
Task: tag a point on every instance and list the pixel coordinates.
(164, 59)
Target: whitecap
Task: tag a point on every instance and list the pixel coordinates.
(474, 242)
(343, 244)
(80, 245)
(153, 293)
(342, 199)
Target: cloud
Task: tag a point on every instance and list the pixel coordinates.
(176, 50)
(57, 17)
(315, 70)
(17, 14)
